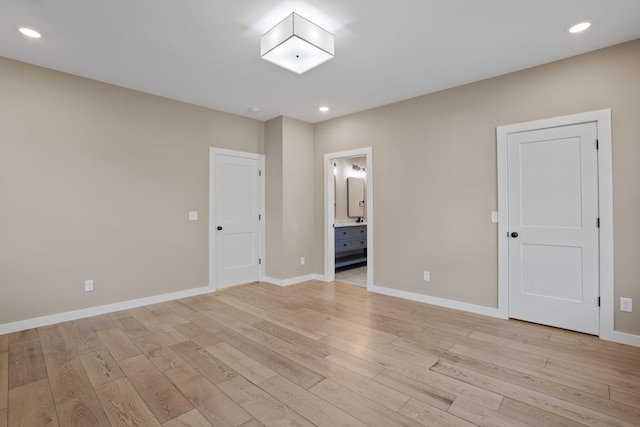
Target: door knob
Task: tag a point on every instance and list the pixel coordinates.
(514, 234)
(219, 228)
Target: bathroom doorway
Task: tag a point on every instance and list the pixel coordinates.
(349, 217)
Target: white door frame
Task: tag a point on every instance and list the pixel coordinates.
(329, 214)
(212, 209)
(605, 205)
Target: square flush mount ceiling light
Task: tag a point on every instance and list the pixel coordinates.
(297, 44)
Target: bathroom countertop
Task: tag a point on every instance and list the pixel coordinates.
(349, 224)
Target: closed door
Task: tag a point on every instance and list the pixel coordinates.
(553, 227)
(236, 220)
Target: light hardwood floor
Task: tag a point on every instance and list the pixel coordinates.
(353, 276)
(325, 354)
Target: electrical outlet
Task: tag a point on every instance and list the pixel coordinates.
(88, 285)
(494, 217)
(427, 276)
(301, 260)
(626, 304)
(193, 215)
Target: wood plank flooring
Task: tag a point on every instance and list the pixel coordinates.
(324, 354)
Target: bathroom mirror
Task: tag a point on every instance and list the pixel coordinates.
(355, 197)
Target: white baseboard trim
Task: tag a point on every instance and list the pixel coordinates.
(52, 319)
(7, 328)
(621, 337)
(292, 281)
(441, 302)
(615, 336)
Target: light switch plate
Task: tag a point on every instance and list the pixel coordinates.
(427, 276)
(193, 216)
(88, 285)
(626, 304)
(494, 217)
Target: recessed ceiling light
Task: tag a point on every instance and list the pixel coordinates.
(323, 109)
(580, 27)
(30, 32)
(254, 109)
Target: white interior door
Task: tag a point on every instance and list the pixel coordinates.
(236, 224)
(553, 226)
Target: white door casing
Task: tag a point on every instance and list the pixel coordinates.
(329, 212)
(236, 223)
(553, 226)
(605, 206)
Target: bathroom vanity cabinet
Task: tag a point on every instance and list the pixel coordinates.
(350, 245)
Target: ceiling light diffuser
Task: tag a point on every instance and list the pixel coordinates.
(30, 32)
(297, 44)
(579, 27)
(323, 109)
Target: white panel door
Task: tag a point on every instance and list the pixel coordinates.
(553, 228)
(236, 225)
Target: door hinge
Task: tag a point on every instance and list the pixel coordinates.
(259, 217)
(598, 222)
(259, 173)
(598, 301)
(259, 260)
(597, 144)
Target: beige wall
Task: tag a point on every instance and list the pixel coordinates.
(297, 211)
(289, 198)
(274, 188)
(435, 180)
(95, 183)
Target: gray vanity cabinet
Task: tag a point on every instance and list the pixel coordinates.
(350, 245)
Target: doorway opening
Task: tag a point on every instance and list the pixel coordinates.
(349, 217)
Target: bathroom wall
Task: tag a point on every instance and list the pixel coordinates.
(343, 170)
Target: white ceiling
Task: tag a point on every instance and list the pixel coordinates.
(206, 52)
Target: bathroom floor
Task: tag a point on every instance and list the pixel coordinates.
(354, 276)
